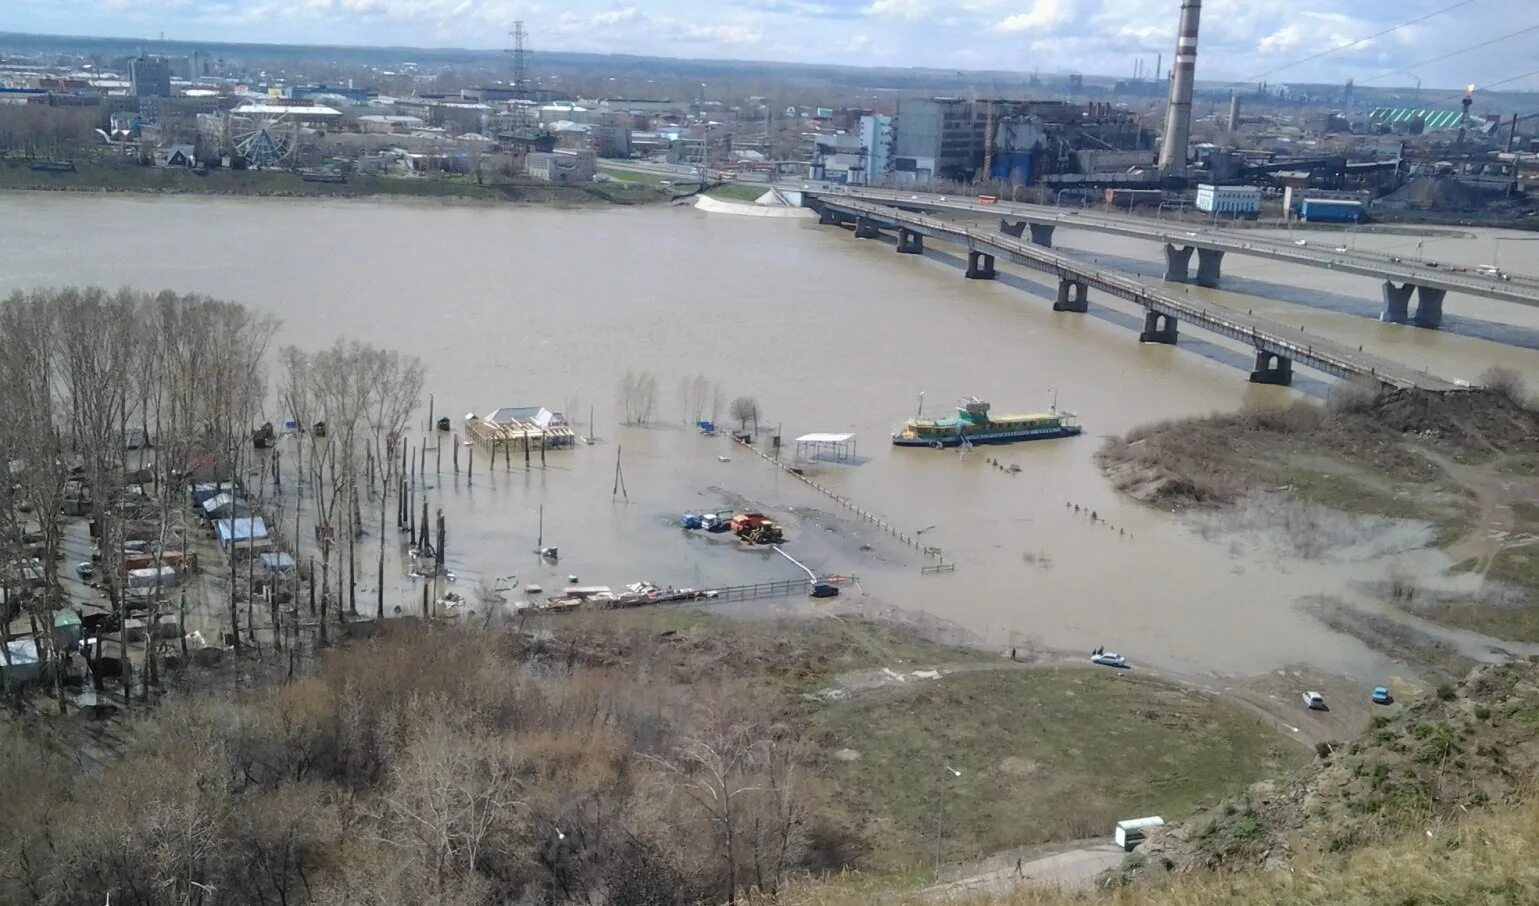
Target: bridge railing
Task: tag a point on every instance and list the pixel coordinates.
(1270, 337)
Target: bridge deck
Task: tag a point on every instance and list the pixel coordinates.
(1520, 289)
(1324, 355)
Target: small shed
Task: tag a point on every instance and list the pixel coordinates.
(245, 531)
(277, 562)
(1132, 832)
(20, 663)
(225, 505)
(151, 577)
(178, 156)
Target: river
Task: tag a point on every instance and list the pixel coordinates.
(540, 306)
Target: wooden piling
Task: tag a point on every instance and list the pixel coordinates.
(456, 456)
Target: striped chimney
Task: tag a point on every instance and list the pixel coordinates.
(1178, 119)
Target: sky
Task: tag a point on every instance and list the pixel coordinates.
(1242, 40)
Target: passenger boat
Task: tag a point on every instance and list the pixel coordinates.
(974, 425)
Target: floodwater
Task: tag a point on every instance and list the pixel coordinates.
(536, 306)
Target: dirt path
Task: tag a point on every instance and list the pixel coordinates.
(1285, 714)
(1496, 525)
(1069, 866)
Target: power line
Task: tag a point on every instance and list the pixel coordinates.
(1360, 41)
(1488, 86)
(1453, 53)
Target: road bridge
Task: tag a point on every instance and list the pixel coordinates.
(1277, 347)
(1428, 282)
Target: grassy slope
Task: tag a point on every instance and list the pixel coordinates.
(1433, 805)
(1045, 755)
(1482, 861)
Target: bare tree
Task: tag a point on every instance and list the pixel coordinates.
(745, 408)
(638, 397)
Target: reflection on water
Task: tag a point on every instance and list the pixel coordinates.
(551, 307)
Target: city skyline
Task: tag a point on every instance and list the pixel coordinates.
(1241, 41)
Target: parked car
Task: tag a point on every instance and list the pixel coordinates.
(1381, 696)
(1315, 701)
(1109, 659)
(86, 570)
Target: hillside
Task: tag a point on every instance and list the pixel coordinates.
(1433, 805)
(1462, 469)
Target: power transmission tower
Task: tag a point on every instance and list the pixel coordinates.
(520, 64)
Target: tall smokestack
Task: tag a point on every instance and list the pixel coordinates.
(1234, 113)
(1178, 120)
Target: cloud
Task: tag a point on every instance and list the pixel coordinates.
(1240, 38)
(616, 16)
(1044, 14)
(909, 10)
(728, 35)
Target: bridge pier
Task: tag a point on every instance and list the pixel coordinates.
(1208, 263)
(1397, 303)
(910, 242)
(1017, 230)
(865, 229)
(1429, 306)
(1042, 234)
(1072, 296)
(1158, 328)
(1272, 368)
(980, 265)
(1178, 262)
(830, 217)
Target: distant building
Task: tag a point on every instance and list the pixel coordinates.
(560, 166)
(1235, 201)
(150, 77)
(639, 105)
(177, 156)
(383, 123)
(837, 157)
(876, 138)
(356, 96)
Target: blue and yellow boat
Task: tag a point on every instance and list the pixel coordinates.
(974, 425)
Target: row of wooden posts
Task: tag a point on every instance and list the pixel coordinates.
(933, 553)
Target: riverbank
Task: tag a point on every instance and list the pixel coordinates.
(1462, 469)
(93, 176)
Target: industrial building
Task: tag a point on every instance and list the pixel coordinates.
(877, 140)
(1331, 210)
(1013, 141)
(150, 77)
(563, 167)
(1231, 201)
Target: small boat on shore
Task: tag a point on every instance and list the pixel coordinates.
(974, 425)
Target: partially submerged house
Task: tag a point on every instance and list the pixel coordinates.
(520, 427)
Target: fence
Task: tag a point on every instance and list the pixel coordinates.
(781, 588)
(899, 535)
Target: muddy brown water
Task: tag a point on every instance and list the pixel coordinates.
(535, 306)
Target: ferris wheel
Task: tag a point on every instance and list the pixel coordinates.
(263, 138)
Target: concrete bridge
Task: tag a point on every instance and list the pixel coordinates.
(1402, 279)
(1277, 347)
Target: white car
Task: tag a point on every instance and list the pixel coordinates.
(1109, 659)
(1315, 701)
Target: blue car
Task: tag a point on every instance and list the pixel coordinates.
(1381, 696)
